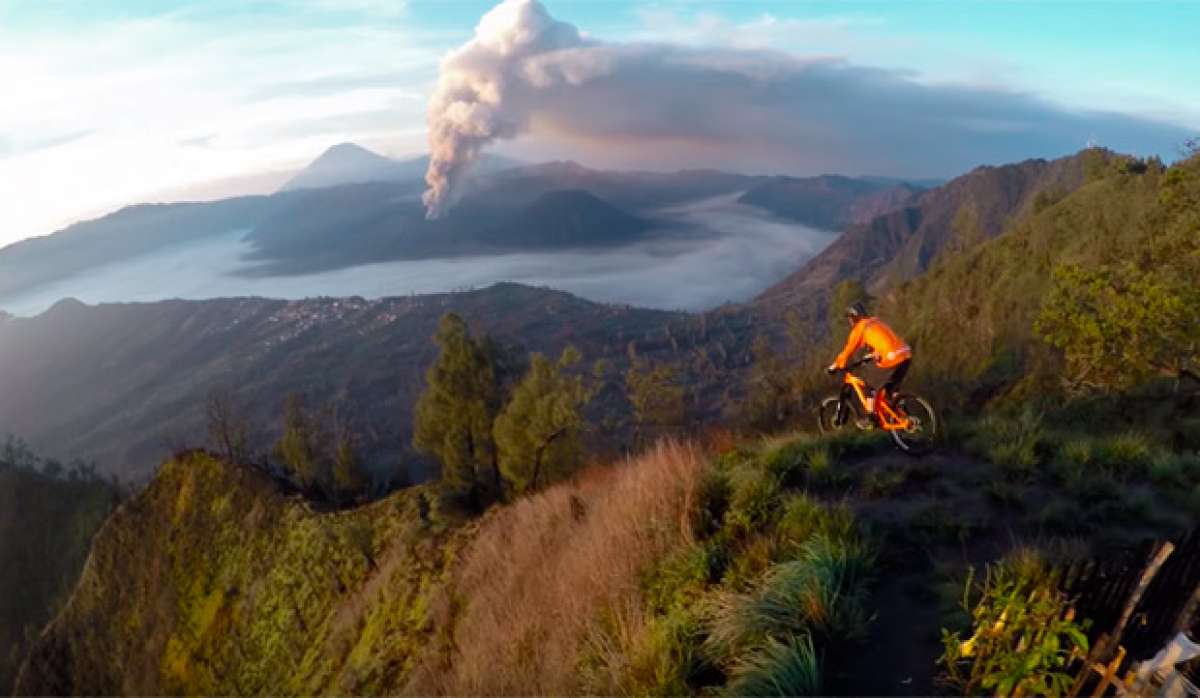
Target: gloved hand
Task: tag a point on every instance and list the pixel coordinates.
(831, 369)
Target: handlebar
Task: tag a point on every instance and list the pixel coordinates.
(855, 364)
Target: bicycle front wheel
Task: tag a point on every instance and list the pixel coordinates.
(922, 431)
(833, 415)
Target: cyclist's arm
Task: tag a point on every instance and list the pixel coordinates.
(853, 342)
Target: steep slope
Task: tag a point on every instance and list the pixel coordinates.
(828, 202)
(46, 527)
(126, 383)
(971, 315)
(211, 581)
(902, 243)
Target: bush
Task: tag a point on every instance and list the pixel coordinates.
(1023, 633)
(1016, 444)
(804, 518)
(1126, 455)
(788, 668)
(753, 500)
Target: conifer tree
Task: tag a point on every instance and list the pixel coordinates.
(537, 433)
(454, 416)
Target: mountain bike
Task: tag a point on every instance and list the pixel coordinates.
(909, 419)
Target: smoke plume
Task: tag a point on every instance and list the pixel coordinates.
(661, 106)
(471, 105)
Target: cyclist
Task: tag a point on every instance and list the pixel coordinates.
(891, 353)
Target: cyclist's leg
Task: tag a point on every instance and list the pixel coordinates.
(895, 378)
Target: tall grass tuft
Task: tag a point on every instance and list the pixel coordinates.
(1126, 455)
(787, 668)
(1015, 443)
(540, 571)
(822, 592)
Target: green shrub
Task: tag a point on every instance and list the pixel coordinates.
(1023, 636)
(683, 575)
(789, 461)
(1016, 444)
(1077, 452)
(753, 500)
(713, 498)
(804, 517)
(779, 668)
(1126, 455)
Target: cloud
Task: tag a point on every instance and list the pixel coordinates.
(667, 105)
(32, 145)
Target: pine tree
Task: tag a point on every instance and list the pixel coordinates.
(538, 432)
(454, 416)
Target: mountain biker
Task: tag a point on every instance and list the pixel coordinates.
(891, 353)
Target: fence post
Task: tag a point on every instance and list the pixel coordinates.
(1160, 556)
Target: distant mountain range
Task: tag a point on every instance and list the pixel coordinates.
(351, 206)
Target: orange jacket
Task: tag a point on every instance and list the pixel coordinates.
(875, 334)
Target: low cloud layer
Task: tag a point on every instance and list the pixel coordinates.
(725, 252)
(660, 105)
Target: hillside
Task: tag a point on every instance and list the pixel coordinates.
(126, 383)
(828, 202)
(902, 243)
(991, 294)
(769, 566)
(46, 526)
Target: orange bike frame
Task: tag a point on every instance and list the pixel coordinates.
(888, 418)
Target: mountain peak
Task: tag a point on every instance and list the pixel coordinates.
(350, 163)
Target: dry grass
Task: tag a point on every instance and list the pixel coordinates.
(542, 570)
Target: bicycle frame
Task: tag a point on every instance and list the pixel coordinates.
(889, 419)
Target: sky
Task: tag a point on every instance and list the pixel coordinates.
(110, 102)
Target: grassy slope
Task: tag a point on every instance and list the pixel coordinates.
(679, 572)
(46, 526)
(212, 582)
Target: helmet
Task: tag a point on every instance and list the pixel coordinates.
(856, 311)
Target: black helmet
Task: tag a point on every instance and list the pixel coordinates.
(856, 311)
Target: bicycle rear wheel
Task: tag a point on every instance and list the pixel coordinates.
(922, 432)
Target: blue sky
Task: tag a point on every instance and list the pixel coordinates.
(111, 102)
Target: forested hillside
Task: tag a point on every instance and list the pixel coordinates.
(1091, 291)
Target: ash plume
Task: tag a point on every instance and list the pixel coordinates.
(662, 106)
(471, 105)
